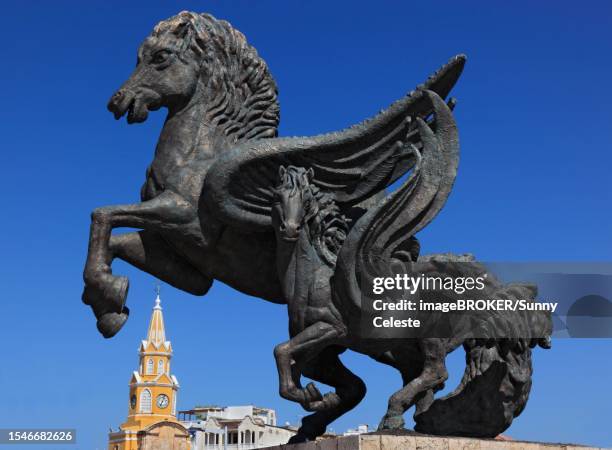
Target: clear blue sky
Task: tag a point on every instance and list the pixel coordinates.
(534, 184)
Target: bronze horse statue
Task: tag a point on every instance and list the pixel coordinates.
(209, 187)
(206, 204)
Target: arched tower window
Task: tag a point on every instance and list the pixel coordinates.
(145, 401)
(150, 366)
(160, 366)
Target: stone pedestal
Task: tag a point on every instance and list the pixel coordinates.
(415, 441)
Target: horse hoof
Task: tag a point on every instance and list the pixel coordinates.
(107, 295)
(311, 393)
(90, 296)
(329, 401)
(110, 323)
(298, 439)
(391, 423)
(116, 291)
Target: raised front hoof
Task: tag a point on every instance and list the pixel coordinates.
(115, 290)
(107, 294)
(391, 423)
(110, 323)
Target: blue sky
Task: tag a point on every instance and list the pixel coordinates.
(533, 185)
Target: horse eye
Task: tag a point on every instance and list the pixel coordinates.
(160, 56)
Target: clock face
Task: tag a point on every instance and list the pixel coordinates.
(133, 401)
(162, 400)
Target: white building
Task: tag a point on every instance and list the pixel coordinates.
(361, 429)
(233, 428)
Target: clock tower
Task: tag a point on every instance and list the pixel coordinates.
(152, 393)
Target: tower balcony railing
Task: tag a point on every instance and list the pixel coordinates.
(230, 447)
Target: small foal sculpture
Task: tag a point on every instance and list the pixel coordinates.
(310, 231)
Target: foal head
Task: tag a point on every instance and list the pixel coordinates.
(295, 202)
(300, 206)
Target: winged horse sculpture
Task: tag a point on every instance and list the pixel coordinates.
(207, 200)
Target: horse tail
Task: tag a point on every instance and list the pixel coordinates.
(493, 391)
(497, 379)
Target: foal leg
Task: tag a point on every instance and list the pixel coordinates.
(350, 390)
(304, 346)
(104, 292)
(434, 373)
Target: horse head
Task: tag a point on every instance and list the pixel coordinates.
(196, 58)
(294, 202)
(300, 205)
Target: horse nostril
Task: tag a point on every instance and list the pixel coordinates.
(283, 227)
(117, 96)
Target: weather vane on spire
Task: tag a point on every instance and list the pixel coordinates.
(157, 298)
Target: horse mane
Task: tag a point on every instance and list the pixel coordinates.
(328, 227)
(245, 103)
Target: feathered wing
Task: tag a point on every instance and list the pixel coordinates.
(381, 235)
(353, 164)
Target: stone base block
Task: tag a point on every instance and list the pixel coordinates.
(415, 441)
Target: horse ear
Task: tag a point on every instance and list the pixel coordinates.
(310, 174)
(182, 29)
(281, 172)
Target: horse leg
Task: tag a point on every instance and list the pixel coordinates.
(149, 252)
(433, 374)
(350, 389)
(303, 347)
(104, 292)
(410, 366)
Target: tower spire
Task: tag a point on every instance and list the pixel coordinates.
(157, 331)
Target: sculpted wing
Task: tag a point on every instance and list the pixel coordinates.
(384, 233)
(354, 164)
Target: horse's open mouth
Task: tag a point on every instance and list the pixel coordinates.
(137, 111)
(137, 106)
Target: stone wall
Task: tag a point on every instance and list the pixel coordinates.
(423, 442)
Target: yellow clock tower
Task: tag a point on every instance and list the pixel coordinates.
(152, 399)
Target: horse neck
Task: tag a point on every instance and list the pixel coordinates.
(296, 263)
(187, 134)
